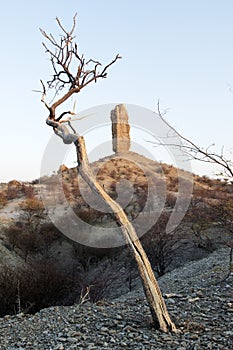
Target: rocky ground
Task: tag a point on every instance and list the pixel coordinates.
(199, 303)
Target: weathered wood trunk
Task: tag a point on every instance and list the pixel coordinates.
(152, 291)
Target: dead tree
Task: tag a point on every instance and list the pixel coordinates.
(196, 152)
(223, 213)
(71, 73)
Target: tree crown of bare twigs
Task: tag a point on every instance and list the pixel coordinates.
(71, 71)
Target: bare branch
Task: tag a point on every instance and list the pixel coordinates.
(63, 29)
(198, 153)
(71, 71)
(44, 95)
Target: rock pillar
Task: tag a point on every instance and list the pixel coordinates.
(120, 129)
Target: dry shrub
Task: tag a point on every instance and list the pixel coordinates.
(98, 280)
(12, 235)
(67, 191)
(170, 200)
(161, 245)
(88, 214)
(199, 220)
(32, 207)
(31, 289)
(206, 180)
(43, 283)
(3, 199)
(28, 191)
(172, 183)
(47, 235)
(96, 270)
(25, 241)
(13, 193)
(33, 214)
(208, 193)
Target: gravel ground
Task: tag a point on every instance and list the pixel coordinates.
(200, 305)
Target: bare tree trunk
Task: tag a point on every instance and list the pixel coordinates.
(152, 291)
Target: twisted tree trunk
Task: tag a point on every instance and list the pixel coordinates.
(152, 291)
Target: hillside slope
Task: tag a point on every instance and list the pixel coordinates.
(199, 303)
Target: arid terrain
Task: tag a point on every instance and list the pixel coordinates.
(41, 267)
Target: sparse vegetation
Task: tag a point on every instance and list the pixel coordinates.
(29, 289)
(199, 221)
(3, 199)
(222, 216)
(14, 189)
(161, 245)
(43, 283)
(32, 237)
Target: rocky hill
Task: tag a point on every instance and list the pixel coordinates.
(130, 178)
(41, 266)
(198, 300)
(141, 185)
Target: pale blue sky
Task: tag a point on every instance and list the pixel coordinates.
(180, 52)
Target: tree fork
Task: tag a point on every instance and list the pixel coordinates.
(151, 288)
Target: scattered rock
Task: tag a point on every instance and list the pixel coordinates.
(124, 323)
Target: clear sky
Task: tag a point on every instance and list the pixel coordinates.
(180, 52)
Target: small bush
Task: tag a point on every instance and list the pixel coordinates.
(98, 280)
(199, 220)
(14, 190)
(42, 284)
(3, 199)
(161, 245)
(28, 191)
(172, 183)
(47, 235)
(31, 289)
(12, 235)
(170, 200)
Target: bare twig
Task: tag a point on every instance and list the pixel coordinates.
(71, 71)
(196, 152)
(86, 296)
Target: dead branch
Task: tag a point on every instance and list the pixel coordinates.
(196, 152)
(71, 71)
